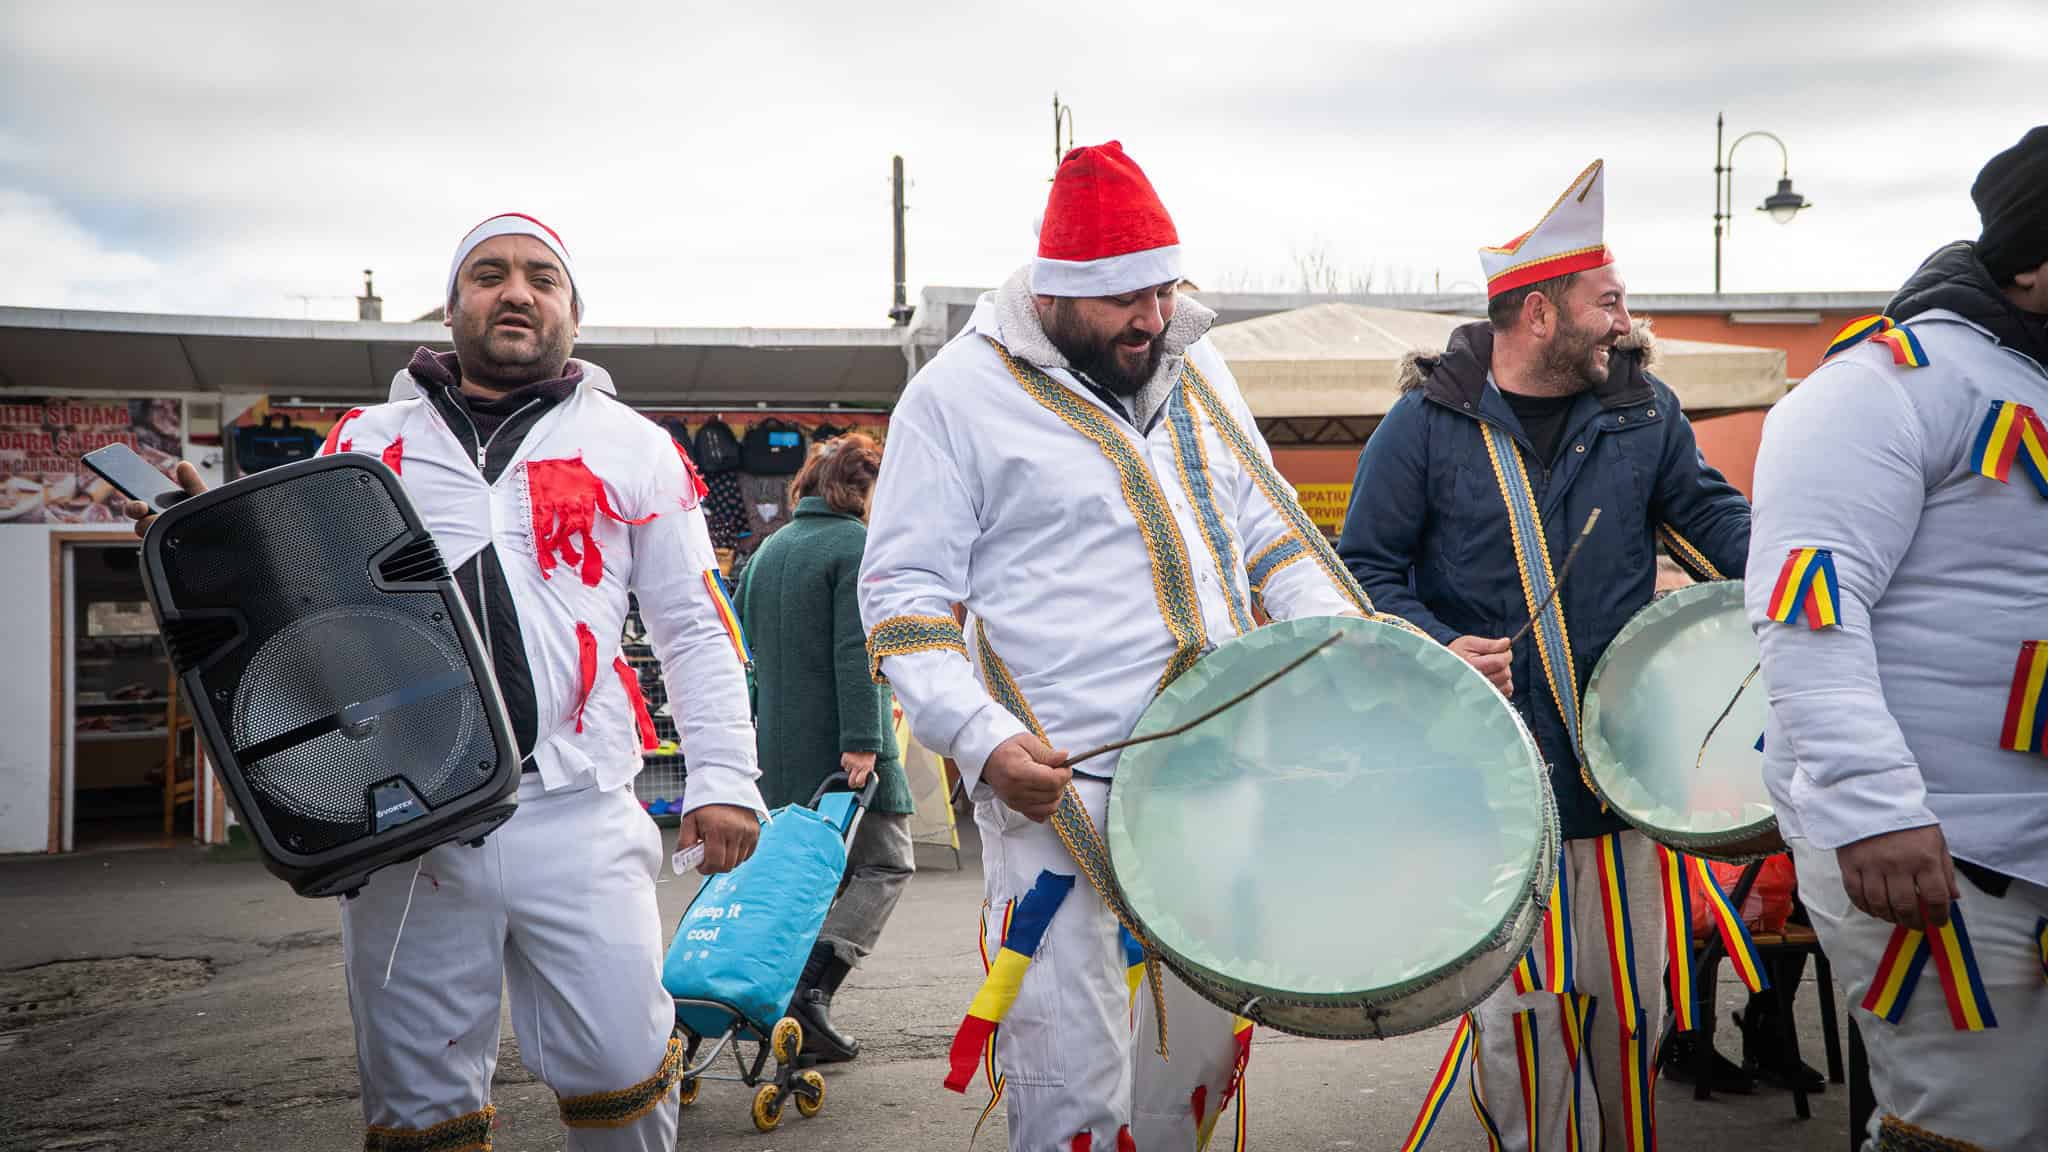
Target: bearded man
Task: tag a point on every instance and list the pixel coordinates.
(1468, 496)
(1078, 470)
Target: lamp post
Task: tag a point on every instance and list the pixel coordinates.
(1782, 205)
(1062, 117)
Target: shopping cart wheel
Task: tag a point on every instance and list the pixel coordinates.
(689, 1090)
(768, 1108)
(810, 1093)
(787, 1040)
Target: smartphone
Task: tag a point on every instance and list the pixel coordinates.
(138, 479)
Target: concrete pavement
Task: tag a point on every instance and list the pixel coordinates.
(170, 999)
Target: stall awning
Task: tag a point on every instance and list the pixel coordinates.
(1337, 360)
(47, 350)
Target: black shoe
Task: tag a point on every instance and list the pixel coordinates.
(1676, 1060)
(812, 1006)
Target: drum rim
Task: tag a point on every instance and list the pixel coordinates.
(1697, 843)
(1510, 929)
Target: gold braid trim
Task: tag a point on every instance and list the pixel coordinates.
(903, 635)
(1529, 596)
(1270, 561)
(996, 676)
(1173, 580)
(470, 1132)
(623, 1107)
(1690, 558)
(1895, 1135)
(1278, 492)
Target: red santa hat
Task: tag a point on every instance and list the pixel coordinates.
(513, 224)
(1104, 232)
(1568, 239)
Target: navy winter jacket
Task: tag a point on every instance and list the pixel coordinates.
(1427, 531)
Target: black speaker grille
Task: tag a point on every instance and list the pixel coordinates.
(419, 561)
(318, 666)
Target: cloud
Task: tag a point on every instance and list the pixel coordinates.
(728, 164)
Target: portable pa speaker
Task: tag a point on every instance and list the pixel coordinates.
(332, 669)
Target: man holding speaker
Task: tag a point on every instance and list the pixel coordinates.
(551, 501)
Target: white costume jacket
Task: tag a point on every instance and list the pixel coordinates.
(597, 501)
(1099, 561)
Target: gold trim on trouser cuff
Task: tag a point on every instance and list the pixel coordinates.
(470, 1132)
(620, 1108)
(1895, 1135)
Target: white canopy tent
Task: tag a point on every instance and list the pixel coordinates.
(1343, 360)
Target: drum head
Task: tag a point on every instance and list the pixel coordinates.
(1654, 697)
(1353, 850)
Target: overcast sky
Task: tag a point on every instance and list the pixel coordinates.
(714, 164)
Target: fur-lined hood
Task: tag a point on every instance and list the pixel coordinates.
(1458, 373)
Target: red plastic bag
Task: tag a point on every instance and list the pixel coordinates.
(1769, 902)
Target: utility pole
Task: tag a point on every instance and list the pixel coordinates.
(900, 312)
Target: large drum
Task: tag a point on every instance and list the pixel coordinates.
(1361, 849)
(1680, 670)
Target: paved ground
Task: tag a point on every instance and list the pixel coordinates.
(171, 999)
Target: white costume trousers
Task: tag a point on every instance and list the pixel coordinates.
(1988, 1089)
(1066, 1051)
(558, 906)
(1598, 1083)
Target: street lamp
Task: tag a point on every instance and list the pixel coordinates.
(1782, 205)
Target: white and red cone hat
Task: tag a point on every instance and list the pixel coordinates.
(1105, 232)
(1568, 239)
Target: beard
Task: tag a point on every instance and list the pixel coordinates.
(506, 358)
(1577, 358)
(1102, 358)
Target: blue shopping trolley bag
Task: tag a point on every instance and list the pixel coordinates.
(744, 939)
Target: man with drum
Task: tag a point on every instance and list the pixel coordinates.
(1078, 469)
(1468, 496)
(1902, 497)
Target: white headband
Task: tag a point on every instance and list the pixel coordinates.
(514, 224)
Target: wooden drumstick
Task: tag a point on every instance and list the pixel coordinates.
(1563, 571)
(1212, 713)
(1701, 759)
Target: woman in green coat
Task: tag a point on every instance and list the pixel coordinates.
(818, 710)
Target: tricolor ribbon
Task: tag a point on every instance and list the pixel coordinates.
(2011, 432)
(1478, 1090)
(1856, 332)
(1638, 1090)
(1678, 937)
(995, 1079)
(1005, 975)
(1134, 965)
(1575, 1016)
(1440, 1088)
(1621, 948)
(726, 616)
(1906, 349)
(1905, 957)
(2026, 721)
(1557, 934)
(1523, 975)
(1734, 933)
(1241, 1036)
(1807, 586)
(1529, 1067)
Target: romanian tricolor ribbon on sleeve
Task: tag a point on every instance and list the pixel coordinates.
(2026, 721)
(2011, 432)
(1440, 1088)
(1905, 958)
(1856, 332)
(727, 617)
(1906, 349)
(1005, 975)
(1807, 587)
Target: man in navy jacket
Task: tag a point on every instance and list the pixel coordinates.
(1467, 498)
